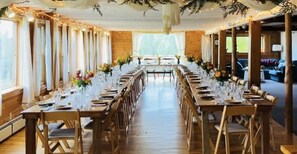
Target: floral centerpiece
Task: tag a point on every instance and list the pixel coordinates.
(129, 59)
(82, 81)
(221, 75)
(120, 61)
(178, 58)
(106, 68)
(190, 59)
(199, 61)
(207, 66)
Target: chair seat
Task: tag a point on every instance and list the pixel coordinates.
(52, 126)
(234, 128)
(62, 133)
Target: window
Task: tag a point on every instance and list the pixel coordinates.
(8, 47)
(242, 44)
(146, 44)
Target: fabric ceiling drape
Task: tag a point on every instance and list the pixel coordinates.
(206, 48)
(65, 54)
(48, 56)
(37, 58)
(25, 62)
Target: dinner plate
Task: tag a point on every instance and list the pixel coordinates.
(251, 96)
(233, 101)
(45, 103)
(207, 97)
(203, 91)
(100, 101)
(202, 87)
(63, 107)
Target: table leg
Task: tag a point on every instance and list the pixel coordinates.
(265, 115)
(30, 136)
(205, 134)
(97, 135)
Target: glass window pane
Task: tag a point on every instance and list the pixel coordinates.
(158, 45)
(8, 35)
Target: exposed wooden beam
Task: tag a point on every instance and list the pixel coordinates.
(234, 52)
(254, 55)
(288, 76)
(222, 50)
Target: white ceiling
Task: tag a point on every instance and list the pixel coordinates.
(124, 18)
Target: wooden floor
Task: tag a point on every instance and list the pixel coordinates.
(157, 126)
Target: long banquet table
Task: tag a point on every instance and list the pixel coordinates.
(208, 106)
(32, 114)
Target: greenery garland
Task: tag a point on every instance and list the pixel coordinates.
(287, 7)
(3, 10)
(234, 8)
(195, 5)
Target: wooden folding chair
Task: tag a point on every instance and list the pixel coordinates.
(228, 128)
(60, 134)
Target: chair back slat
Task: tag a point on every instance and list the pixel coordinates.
(272, 99)
(60, 115)
(240, 110)
(254, 89)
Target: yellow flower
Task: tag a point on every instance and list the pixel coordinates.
(218, 74)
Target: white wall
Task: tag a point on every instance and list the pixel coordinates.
(294, 45)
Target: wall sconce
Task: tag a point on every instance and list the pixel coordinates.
(277, 48)
(216, 42)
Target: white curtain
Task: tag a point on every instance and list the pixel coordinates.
(206, 48)
(80, 52)
(92, 54)
(109, 51)
(48, 56)
(37, 58)
(180, 42)
(86, 51)
(136, 40)
(0, 96)
(56, 55)
(98, 49)
(65, 54)
(72, 51)
(104, 48)
(25, 62)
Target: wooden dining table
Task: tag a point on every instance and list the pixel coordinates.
(96, 113)
(208, 106)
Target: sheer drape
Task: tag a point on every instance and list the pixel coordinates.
(98, 49)
(86, 51)
(206, 47)
(56, 55)
(0, 96)
(72, 51)
(104, 48)
(136, 41)
(109, 52)
(37, 58)
(80, 52)
(91, 49)
(25, 73)
(48, 56)
(180, 42)
(65, 54)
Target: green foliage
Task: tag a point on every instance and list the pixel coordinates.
(235, 8)
(3, 10)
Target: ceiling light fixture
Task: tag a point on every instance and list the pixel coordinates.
(10, 13)
(30, 16)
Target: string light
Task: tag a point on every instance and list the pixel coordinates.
(10, 13)
(30, 16)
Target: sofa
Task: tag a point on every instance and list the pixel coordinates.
(278, 73)
(267, 63)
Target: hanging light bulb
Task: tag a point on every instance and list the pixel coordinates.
(30, 16)
(9, 13)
